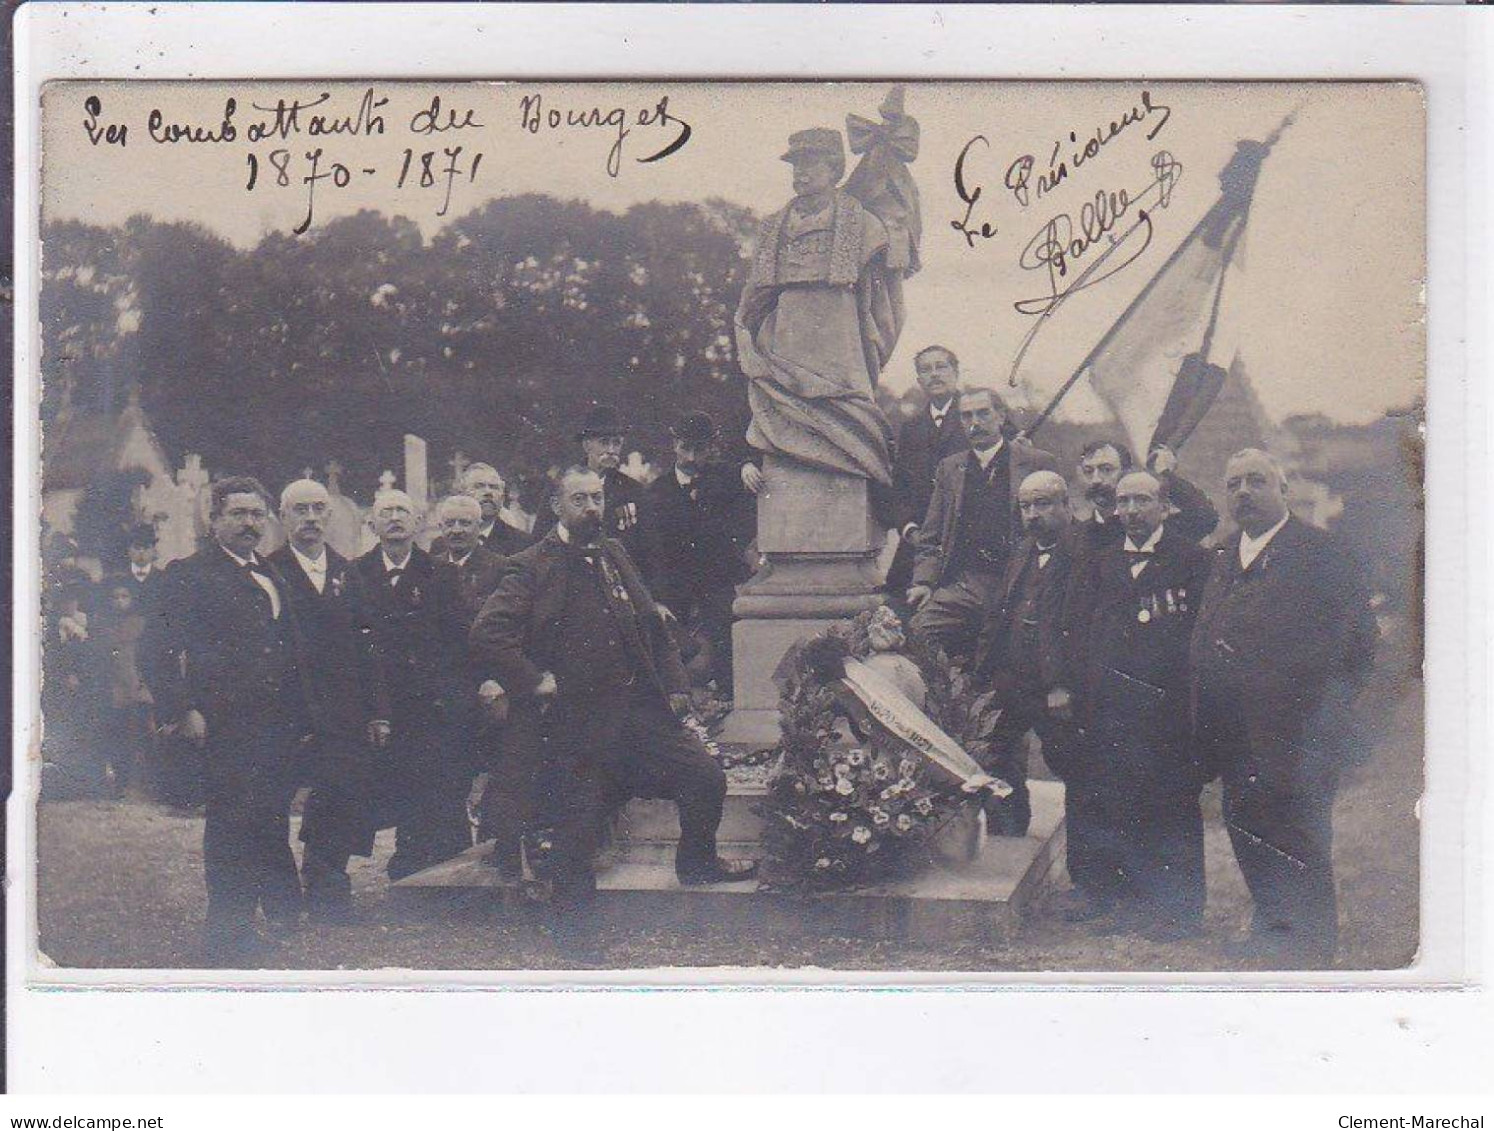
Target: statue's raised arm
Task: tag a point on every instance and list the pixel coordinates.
(822, 306)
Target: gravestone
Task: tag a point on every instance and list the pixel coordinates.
(417, 480)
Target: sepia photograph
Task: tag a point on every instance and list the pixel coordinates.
(901, 526)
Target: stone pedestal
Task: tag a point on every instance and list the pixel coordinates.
(816, 530)
(950, 903)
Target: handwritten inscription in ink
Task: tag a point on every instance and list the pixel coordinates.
(314, 144)
(1059, 168)
(617, 121)
(1026, 181)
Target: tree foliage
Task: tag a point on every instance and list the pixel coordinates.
(491, 338)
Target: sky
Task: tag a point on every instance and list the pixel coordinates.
(1323, 304)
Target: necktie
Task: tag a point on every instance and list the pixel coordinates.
(1138, 560)
(394, 575)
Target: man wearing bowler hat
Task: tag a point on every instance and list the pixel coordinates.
(627, 517)
(704, 522)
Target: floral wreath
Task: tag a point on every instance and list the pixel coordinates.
(842, 814)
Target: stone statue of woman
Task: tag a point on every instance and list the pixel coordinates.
(822, 306)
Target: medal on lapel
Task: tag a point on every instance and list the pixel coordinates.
(336, 583)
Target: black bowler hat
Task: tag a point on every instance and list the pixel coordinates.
(600, 420)
(696, 429)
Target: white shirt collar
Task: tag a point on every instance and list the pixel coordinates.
(461, 561)
(485, 531)
(311, 565)
(389, 563)
(1146, 547)
(140, 572)
(988, 454)
(250, 560)
(1250, 548)
(683, 479)
(562, 533)
(938, 414)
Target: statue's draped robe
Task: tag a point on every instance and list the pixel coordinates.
(819, 314)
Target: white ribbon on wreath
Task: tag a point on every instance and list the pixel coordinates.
(894, 710)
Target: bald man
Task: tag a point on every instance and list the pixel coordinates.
(421, 630)
(1021, 646)
(1284, 639)
(345, 696)
(1134, 824)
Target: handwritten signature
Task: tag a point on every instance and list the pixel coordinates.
(1061, 249)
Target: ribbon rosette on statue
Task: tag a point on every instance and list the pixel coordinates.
(879, 768)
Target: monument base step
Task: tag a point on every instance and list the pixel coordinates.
(954, 902)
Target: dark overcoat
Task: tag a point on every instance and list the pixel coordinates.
(1130, 639)
(994, 655)
(938, 535)
(211, 646)
(702, 533)
(921, 445)
(420, 628)
(627, 518)
(342, 671)
(1279, 652)
(524, 631)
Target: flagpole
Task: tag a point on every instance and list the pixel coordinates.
(1115, 327)
(1225, 259)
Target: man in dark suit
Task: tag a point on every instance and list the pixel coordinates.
(478, 571)
(1134, 825)
(420, 627)
(574, 636)
(347, 704)
(126, 745)
(1283, 641)
(1103, 462)
(481, 482)
(627, 518)
(221, 662)
(967, 536)
(1022, 647)
(704, 519)
(141, 574)
(928, 437)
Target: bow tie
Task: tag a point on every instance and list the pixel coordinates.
(256, 568)
(396, 572)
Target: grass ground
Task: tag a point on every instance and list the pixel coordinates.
(120, 885)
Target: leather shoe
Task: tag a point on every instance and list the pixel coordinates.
(719, 871)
